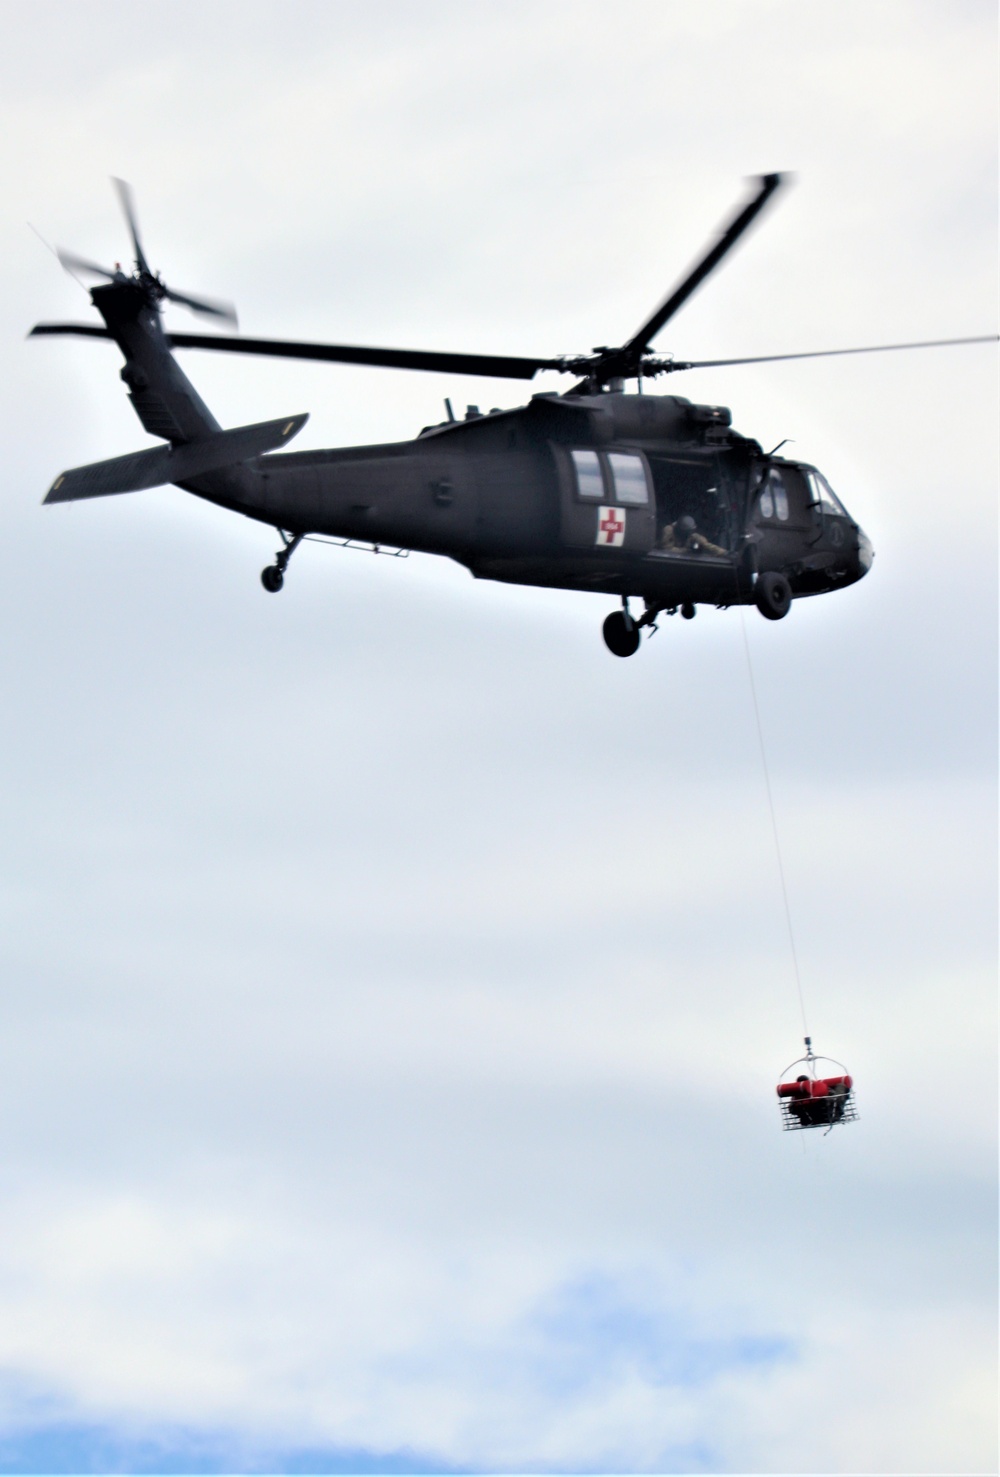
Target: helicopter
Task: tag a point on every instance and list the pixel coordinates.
(636, 496)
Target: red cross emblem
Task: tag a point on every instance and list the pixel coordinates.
(610, 527)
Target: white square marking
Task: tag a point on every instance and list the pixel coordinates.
(610, 527)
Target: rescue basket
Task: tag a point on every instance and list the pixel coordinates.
(816, 1092)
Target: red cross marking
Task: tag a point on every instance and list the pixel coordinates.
(611, 525)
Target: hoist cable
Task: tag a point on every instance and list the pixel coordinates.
(774, 827)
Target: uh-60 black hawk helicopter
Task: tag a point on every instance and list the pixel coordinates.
(630, 495)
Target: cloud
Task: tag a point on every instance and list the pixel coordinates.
(395, 985)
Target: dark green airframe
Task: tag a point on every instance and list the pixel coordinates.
(628, 495)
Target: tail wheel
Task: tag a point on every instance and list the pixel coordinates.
(272, 579)
(773, 595)
(621, 635)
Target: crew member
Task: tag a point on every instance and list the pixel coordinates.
(682, 537)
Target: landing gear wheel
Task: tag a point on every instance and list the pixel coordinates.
(773, 595)
(688, 610)
(621, 635)
(273, 577)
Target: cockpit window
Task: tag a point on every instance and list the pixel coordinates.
(773, 501)
(589, 481)
(824, 496)
(629, 476)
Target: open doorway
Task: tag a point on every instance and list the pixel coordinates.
(695, 505)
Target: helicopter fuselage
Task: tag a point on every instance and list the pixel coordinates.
(626, 495)
(580, 492)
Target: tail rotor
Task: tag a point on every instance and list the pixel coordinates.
(151, 283)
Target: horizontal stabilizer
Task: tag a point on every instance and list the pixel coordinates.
(164, 464)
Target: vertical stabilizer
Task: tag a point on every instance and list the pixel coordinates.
(164, 398)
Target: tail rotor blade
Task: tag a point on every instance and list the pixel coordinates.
(128, 207)
(73, 264)
(213, 307)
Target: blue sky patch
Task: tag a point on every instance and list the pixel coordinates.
(67, 1447)
(588, 1331)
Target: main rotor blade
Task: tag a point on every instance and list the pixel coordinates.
(78, 330)
(499, 367)
(213, 306)
(495, 366)
(128, 206)
(934, 343)
(639, 341)
(74, 263)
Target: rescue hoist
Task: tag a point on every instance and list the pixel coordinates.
(815, 1097)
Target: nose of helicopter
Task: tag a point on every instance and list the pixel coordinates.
(865, 553)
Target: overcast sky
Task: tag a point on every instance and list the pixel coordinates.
(394, 983)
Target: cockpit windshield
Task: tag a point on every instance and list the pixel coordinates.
(824, 496)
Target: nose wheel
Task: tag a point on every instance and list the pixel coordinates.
(772, 596)
(273, 576)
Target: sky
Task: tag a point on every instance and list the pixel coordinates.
(394, 984)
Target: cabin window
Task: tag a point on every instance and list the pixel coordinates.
(629, 477)
(824, 496)
(589, 479)
(774, 497)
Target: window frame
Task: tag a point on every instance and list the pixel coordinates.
(609, 483)
(773, 488)
(634, 457)
(588, 499)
